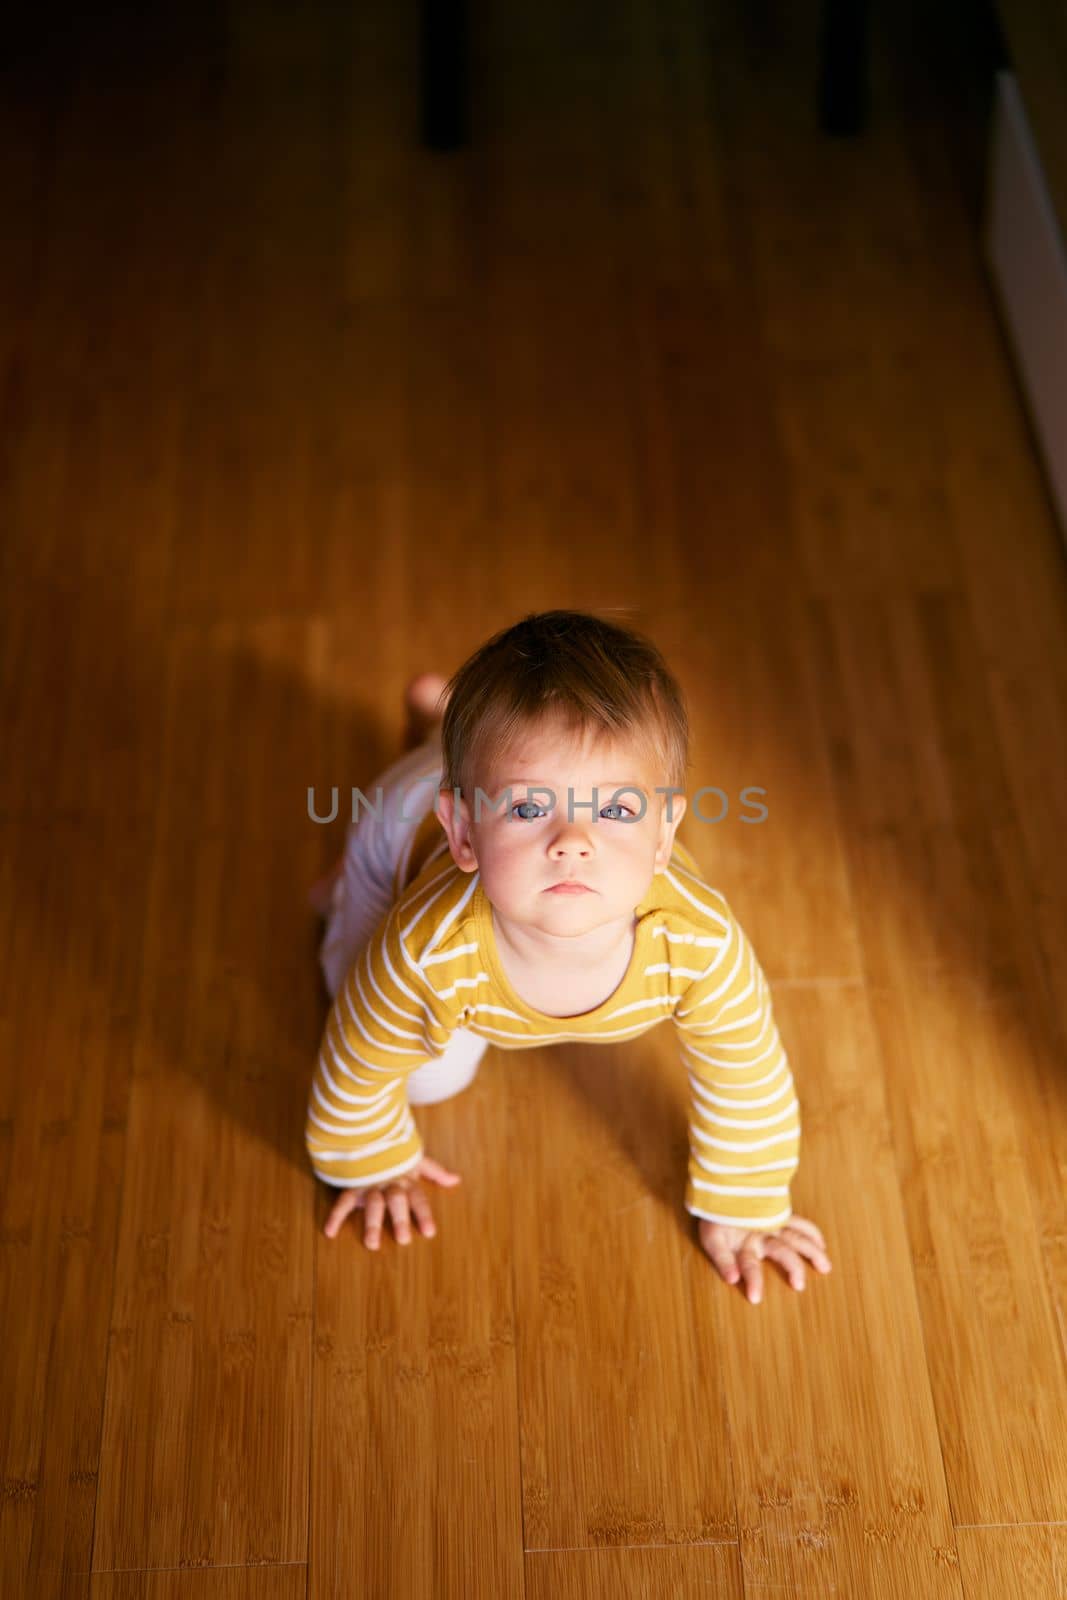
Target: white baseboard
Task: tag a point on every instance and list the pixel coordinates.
(1024, 246)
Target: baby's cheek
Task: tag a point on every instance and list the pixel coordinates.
(501, 878)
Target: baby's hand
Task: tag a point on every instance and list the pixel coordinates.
(395, 1195)
(737, 1251)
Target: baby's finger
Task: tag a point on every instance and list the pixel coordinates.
(430, 1168)
(816, 1256)
(752, 1273)
(348, 1200)
(749, 1258)
(375, 1211)
(423, 1215)
(806, 1245)
(776, 1249)
(724, 1261)
(398, 1210)
(805, 1225)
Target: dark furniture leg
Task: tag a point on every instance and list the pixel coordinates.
(443, 56)
(843, 67)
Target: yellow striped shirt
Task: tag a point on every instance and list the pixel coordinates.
(432, 966)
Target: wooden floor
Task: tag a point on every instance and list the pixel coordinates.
(292, 410)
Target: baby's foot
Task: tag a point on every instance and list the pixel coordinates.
(425, 707)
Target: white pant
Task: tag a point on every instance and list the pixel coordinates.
(363, 895)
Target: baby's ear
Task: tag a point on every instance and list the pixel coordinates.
(671, 815)
(452, 813)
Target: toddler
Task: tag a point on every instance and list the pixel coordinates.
(520, 884)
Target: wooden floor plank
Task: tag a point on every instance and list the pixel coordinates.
(233, 1583)
(1012, 1562)
(71, 914)
(838, 1491)
(960, 1045)
(609, 1457)
(641, 1574)
(759, 739)
(416, 1472)
(212, 1314)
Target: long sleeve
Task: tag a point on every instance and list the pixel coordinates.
(744, 1130)
(386, 1020)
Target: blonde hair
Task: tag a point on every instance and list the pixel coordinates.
(567, 669)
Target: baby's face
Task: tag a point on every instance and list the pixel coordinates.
(522, 843)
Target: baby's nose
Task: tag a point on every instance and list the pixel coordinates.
(562, 847)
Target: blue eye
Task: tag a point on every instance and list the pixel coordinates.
(533, 804)
(617, 807)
